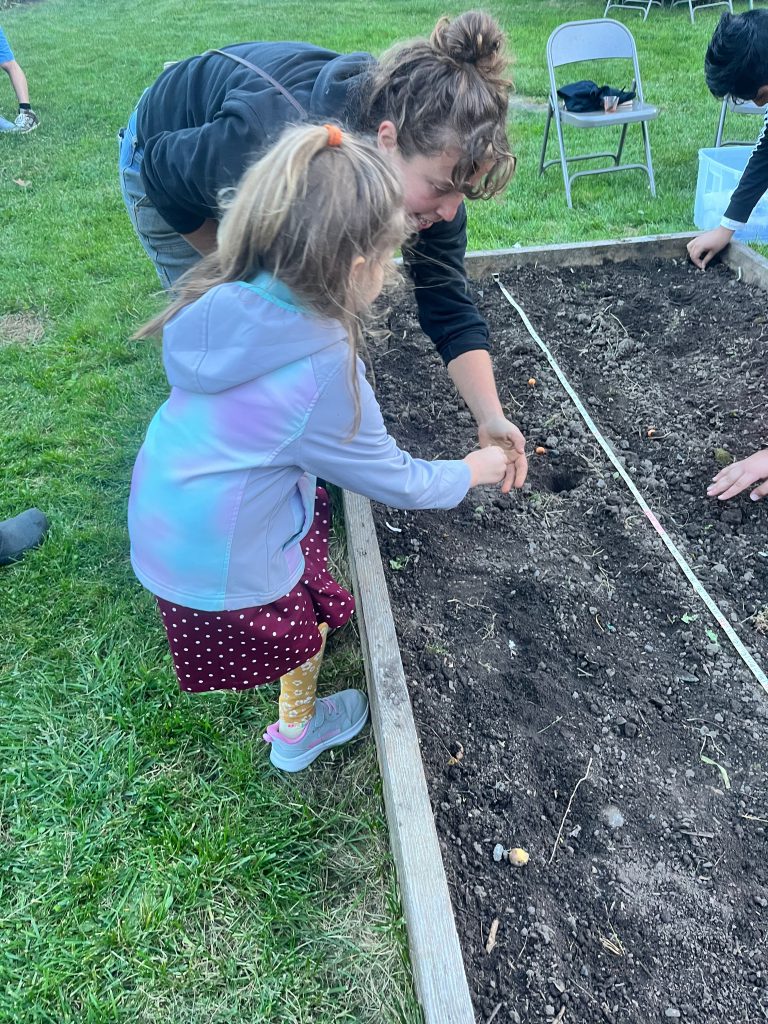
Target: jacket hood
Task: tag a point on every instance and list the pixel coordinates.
(337, 82)
(240, 331)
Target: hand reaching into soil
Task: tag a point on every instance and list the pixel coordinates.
(742, 474)
(488, 466)
(502, 432)
(703, 247)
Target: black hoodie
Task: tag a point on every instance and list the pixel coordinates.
(207, 118)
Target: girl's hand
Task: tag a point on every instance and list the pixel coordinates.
(739, 475)
(488, 466)
(501, 431)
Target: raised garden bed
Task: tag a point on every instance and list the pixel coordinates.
(548, 635)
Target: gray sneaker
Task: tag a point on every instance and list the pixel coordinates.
(20, 534)
(337, 719)
(26, 121)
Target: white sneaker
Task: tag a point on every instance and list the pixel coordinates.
(26, 121)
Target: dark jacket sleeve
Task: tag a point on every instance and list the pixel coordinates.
(447, 313)
(752, 186)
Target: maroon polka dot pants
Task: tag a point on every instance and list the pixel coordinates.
(245, 647)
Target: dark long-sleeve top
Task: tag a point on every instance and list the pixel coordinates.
(205, 120)
(752, 185)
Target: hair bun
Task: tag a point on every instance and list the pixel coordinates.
(472, 38)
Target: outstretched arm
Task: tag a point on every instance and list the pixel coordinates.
(472, 373)
(371, 463)
(752, 185)
(448, 315)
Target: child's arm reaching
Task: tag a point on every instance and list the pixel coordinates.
(487, 466)
(742, 474)
(371, 463)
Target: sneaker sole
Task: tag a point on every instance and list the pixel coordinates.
(296, 764)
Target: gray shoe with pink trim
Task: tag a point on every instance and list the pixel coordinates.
(336, 720)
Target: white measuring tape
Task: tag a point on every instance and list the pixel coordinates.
(699, 588)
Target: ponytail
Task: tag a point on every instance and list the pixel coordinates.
(315, 202)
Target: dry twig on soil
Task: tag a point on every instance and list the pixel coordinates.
(492, 935)
(567, 811)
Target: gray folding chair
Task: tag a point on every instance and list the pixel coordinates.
(693, 7)
(641, 6)
(596, 39)
(736, 107)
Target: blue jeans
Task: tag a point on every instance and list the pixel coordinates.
(171, 254)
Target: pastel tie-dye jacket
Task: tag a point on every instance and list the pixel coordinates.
(260, 404)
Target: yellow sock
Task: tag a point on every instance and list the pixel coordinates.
(298, 690)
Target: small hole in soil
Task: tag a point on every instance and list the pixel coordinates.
(564, 482)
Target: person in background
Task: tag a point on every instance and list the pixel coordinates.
(436, 108)
(26, 119)
(736, 64)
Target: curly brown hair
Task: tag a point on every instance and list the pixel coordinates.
(448, 92)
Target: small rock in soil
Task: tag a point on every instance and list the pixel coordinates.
(612, 816)
(731, 515)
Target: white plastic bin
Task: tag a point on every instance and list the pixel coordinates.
(719, 173)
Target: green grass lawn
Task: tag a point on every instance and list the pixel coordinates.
(152, 865)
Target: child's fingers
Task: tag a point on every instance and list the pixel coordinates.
(727, 471)
(521, 470)
(760, 492)
(517, 470)
(726, 489)
(724, 479)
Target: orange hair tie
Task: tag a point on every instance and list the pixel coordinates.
(334, 134)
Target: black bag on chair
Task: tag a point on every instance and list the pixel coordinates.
(586, 97)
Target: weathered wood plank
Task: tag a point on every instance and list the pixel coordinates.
(577, 254)
(438, 969)
(748, 264)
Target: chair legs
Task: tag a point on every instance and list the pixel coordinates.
(546, 137)
(563, 160)
(641, 6)
(712, 3)
(721, 124)
(648, 163)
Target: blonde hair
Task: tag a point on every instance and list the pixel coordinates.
(448, 92)
(304, 213)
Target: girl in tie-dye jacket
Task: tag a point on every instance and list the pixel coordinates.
(228, 529)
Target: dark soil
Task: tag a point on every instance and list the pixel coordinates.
(549, 632)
